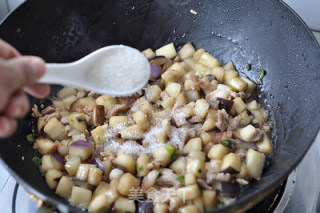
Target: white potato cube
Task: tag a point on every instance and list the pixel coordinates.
(80, 197)
(186, 51)
(255, 162)
(248, 132)
(173, 89)
(169, 51)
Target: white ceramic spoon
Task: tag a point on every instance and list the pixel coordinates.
(116, 70)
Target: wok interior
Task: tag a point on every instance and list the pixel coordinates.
(264, 33)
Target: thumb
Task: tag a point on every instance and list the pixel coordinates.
(23, 71)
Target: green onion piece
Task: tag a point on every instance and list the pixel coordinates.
(160, 174)
(199, 170)
(173, 151)
(248, 66)
(221, 203)
(162, 81)
(36, 160)
(180, 178)
(169, 148)
(141, 168)
(31, 137)
(262, 73)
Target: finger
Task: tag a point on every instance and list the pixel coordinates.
(21, 71)
(38, 90)
(18, 105)
(7, 126)
(7, 51)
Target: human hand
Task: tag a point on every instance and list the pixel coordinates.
(18, 74)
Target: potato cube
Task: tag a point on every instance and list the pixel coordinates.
(197, 155)
(102, 188)
(168, 103)
(163, 155)
(247, 133)
(192, 95)
(218, 72)
(178, 166)
(198, 203)
(193, 144)
(44, 145)
(68, 101)
(125, 162)
(265, 146)
(251, 85)
(211, 120)
(200, 68)
(99, 204)
(229, 66)
(188, 209)
(80, 197)
(229, 75)
(169, 51)
(142, 162)
(257, 117)
(188, 192)
(189, 179)
(243, 171)
(196, 167)
(173, 89)
(55, 129)
(255, 162)
(208, 60)
(214, 166)
(119, 120)
(238, 105)
(209, 198)
(78, 121)
(231, 160)
(98, 133)
(106, 101)
(160, 208)
(124, 205)
(190, 62)
(218, 151)
(168, 76)
(83, 171)
(46, 163)
(186, 51)
(238, 84)
(178, 68)
(205, 138)
(181, 99)
(245, 118)
(153, 93)
(148, 53)
(197, 55)
(201, 108)
(52, 177)
(94, 176)
(133, 132)
(141, 119)
(126, 183)
(72, 165)
(64, 187)
(67, 91)
(253, 105)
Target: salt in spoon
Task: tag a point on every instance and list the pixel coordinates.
(115, 70)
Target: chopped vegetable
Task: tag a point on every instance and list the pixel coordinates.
(37, 161)
(31, 137)
(141, 168)
(248, 66)
(262, 74)
(199, 170)
(220, 203)
(173, 151)
(180, 178)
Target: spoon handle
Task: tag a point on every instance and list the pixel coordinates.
(58, 74)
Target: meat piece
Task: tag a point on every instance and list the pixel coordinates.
(82, 93)
(155, 164)
(207, 148)
(168, 179)
(258, 137)
(149, 180)
(128, 101)
(203, 184)
(35, 111)
(242, 95)
(114, 109)
(195, 119)
(64, 119)
(93, 94)
(56, 115)
(48, 110)
(212, 177)
(209, 86)
(79, 137)
(223, 120)
(234, 123)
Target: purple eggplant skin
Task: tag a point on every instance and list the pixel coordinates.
(98, 163)
(231, 189)
(145, 206)
(158, 83)
(253, 96)
(229, 170)
(225, 104)
(58, 158)
(155, 72)
(81, 144)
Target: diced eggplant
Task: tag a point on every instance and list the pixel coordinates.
(52, 177)
(82, 184)
(40, 124)
(98, 115)
(44, 146)
(82, 102)
(81, 148)
(155, 72)
(55, 129)
(72, 165)
(57, 161)
(64, 187)
(158, 83)
(237, 143)
(145, 207)
(255, 162)
(225, 104)
(231, 189)
(78, 121)
(98, 163)
(63, 150)
(80, 197)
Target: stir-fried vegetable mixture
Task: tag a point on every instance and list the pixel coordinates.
(186, 143)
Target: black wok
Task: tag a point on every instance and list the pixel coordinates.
(264, 33)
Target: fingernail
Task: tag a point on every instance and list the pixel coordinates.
(38, 66)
